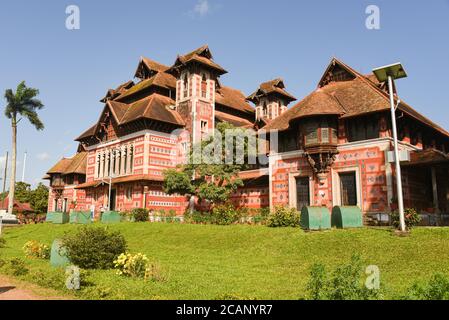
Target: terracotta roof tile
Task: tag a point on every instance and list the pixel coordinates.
(233, 98)
(236, 121)
(156, 107)
(160, 79)
(275, 86)
(61, 166)
(78, 164)
(317, 103)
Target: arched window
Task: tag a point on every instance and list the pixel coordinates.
(203, 86)
(264, 109)
(186, 85)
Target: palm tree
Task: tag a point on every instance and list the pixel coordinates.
(22, 103)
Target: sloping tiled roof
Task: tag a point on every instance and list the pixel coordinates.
(201, 55)
(318, 103)
(160, 79)
(78, 164)
(61, 166)
(236, 121)
(233, 98)
(20, 207)
(113, 93)
(361, 95)
(275, 86)
(148, 67)
(427, 156)
(88, 133)
(131, 178)
(156, 107)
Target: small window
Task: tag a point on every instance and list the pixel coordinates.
(186, 86)
(129, 193)
(204, 127)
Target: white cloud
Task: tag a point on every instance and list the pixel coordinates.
(43, 156)
(202, 7)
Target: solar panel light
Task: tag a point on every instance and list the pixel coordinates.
(395, 70)
(389, 74)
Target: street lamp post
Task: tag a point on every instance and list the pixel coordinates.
(390, 73)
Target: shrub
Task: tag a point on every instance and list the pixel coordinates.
(283, 217)
(154, 272)
(94, 248)
(345, 283)
(140, 215)
(197, 217)
(35, 249)
(225, 215)
(15, 266)
(436, 289)
(261, 216)
(411, 216)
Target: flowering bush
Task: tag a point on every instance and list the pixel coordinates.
(35, 249)
(131, 265)
(137, 266)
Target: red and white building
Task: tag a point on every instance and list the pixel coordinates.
(333, 145)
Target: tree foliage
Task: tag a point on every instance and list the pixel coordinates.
(215, 181)
(37, 198)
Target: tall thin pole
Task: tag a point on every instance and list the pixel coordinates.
(6, 171)
(396, 157)
(110, 189)
(24, 166)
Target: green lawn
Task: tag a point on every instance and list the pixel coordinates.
(208, 262)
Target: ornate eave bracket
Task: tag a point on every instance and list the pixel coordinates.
(321, 163)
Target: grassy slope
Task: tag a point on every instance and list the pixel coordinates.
(206, 262)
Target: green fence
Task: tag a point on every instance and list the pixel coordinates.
(315, 218)
(50, 216)
(111, 217)
(60, 218)
(347, 217)
(80, 217)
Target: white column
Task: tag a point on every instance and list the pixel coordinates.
(101, 173)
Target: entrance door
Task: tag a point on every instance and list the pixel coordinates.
(348, 191)
(113, 197)
(302, 192)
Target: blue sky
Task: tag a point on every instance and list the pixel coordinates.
(254, 40)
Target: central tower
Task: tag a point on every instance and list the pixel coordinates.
(196, 83)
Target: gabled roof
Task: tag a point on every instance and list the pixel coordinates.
(148, 68)
(351, 94)
(160, 79)
(236, 121)
(320, 102)
(78, 164)
(233, 98)
(155, 107)
(275, 86)
(61, 166)
(88, 133)
(201, 55)
(113, 93)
